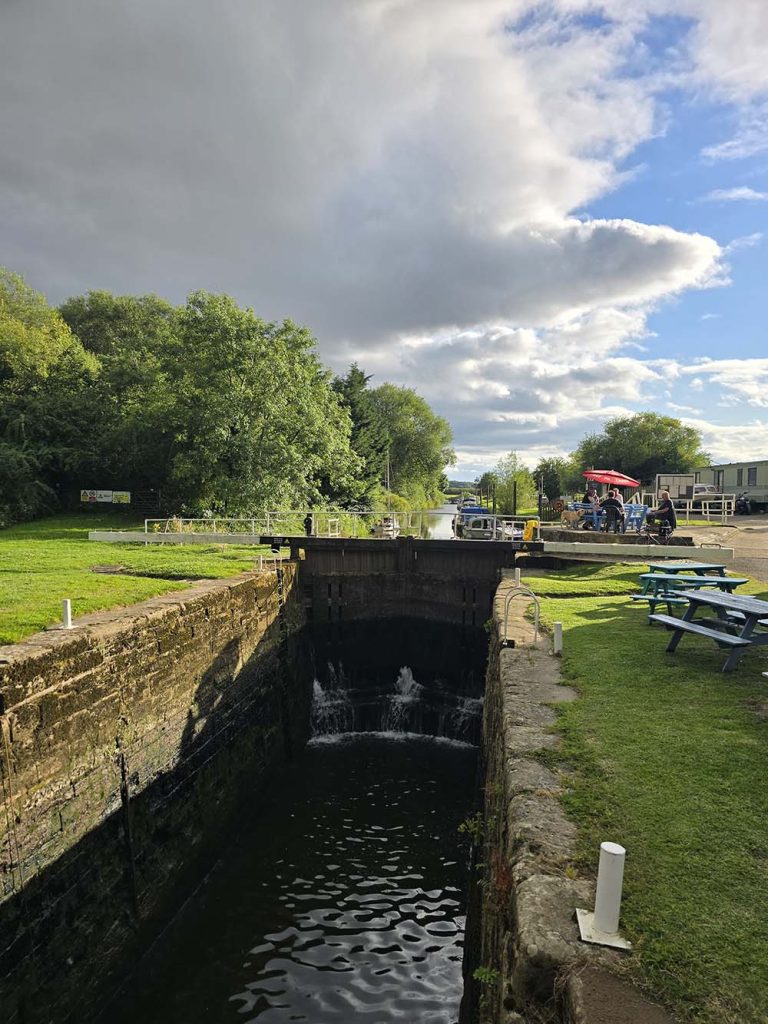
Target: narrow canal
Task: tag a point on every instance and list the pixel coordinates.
(342, 901)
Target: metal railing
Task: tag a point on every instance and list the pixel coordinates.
(520, 590)
(339, 523)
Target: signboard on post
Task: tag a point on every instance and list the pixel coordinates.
(93, 495)
(679, 485)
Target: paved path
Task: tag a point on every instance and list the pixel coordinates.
(748, 537)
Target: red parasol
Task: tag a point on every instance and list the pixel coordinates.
(610, 476)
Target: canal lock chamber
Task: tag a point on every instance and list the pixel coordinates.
(343, 896)
(299, 798)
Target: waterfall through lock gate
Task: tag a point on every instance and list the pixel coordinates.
(407, 707)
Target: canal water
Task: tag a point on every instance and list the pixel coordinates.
(341, 902)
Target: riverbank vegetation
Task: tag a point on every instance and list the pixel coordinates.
(666, 755)
(205, 406)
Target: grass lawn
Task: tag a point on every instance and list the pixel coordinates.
(43, 562)
(669, 757)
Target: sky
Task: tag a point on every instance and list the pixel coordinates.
(540, 214)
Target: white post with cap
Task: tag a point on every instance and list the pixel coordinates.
(602, 926)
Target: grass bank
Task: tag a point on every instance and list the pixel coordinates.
(43, 562)
(668, 756)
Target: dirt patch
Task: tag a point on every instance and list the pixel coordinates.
(757, 706)
(597, 997)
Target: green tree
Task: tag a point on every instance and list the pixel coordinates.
(508, 472)
(135, 338)
(257, 423)
(368, 438)
(554, 475)
(47, 382)
(642, 446)
(419, 443)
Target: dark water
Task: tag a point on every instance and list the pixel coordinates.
(342, 902)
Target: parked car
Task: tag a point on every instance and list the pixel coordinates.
(704, 492)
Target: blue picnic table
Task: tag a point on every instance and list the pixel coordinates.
(697, 568)
(634, 515)
(740, 622)
(665, 588)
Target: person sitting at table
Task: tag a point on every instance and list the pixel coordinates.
(590, 498)
(614, 512)
(663, 514)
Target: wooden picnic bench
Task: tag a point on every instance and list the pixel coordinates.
(740, 622)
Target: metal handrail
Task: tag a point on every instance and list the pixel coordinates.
(521, 591)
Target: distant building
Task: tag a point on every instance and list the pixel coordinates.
(735, 477)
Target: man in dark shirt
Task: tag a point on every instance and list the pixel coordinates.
(664, 513)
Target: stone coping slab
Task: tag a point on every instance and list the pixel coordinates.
(542, 960)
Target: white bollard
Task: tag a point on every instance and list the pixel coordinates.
(610, 878)
(517, 577)
(558, 638)
(66, 614)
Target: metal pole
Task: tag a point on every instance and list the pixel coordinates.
(514, 497)
(610, 878)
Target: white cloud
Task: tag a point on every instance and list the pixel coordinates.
(731, 195)
(745, 242)
(403, 177)
(744, 380)
(711, 316)
(733, 442)
(367, 168)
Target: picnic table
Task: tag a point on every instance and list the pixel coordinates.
(698, 568)
(740, 622)
(634, 515)
(665, 588)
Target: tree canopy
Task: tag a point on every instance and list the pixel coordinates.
(369, 439)
(554, 476)
(515, 486)
(418, 443)
(642, 446)
(46, 417)
(206, 402)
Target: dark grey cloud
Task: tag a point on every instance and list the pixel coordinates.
(376, 169)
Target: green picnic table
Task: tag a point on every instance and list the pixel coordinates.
(665, 588)
(740, 622)
(698, 568)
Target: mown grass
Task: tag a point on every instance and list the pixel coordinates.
(587, 580)
(43, 562)
(668, 757)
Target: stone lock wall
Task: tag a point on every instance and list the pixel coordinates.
(126, 746)
(521, 932)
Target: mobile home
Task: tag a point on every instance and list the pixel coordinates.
(735, 477)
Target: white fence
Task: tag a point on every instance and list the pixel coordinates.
(720, 507)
